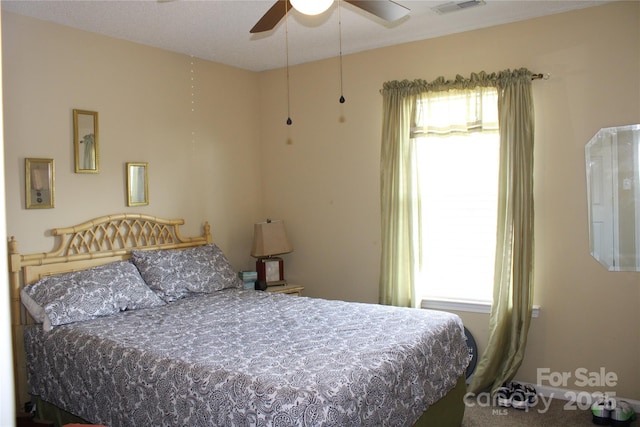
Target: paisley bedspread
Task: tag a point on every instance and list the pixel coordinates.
(248, 358)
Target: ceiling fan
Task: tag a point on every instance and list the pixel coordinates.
(385, 9)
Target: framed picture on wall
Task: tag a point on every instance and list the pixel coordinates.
(39, 180)
(85, 141)
(137, 184)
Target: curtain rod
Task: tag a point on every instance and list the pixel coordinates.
(539, 76)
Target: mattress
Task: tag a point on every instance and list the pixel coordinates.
(241, 357)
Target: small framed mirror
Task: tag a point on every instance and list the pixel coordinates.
(85, 141)
(137, 184)
(39, 179)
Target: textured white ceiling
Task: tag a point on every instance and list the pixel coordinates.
(218, 30)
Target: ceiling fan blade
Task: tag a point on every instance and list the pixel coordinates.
(385, 9)
(270, 19)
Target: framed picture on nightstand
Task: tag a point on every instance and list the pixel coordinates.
(271, 271)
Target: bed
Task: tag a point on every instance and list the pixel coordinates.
(128, 323)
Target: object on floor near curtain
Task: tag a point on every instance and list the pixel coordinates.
(513, 287)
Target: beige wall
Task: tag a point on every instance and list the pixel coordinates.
(203, 164)
(7, 403)
(321, 175)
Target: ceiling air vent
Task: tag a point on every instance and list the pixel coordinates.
(455, 6)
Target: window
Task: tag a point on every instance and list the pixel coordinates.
(458, 167)
(411, 113)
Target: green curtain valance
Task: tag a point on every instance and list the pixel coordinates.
(415, 87)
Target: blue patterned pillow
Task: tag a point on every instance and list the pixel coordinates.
(176, 273)
(87, 294)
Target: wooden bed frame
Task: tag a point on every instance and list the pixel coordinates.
(111, 238)
(96, 242)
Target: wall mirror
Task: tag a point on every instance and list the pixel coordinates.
(613, 197)
(39, 183)
(85, 141)
(137, 184)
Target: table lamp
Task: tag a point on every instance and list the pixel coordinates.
(270, 239)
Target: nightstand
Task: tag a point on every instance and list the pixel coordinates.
(287, 289)
(29, 420)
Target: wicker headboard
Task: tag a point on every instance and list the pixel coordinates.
(98, 241)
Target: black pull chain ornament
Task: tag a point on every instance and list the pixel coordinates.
(342, 100)
(286, 35)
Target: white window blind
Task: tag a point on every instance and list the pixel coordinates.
(457, 146)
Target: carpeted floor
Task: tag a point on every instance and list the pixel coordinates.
(554, 413)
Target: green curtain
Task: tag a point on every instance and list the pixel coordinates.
(400, 202)
(400, 207)
(513, 283)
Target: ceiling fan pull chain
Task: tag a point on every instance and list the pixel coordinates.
(286, 26)
(342, 100)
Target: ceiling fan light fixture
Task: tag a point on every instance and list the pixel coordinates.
(311, 7)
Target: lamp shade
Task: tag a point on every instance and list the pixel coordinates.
(270, 238)
(311, 7)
